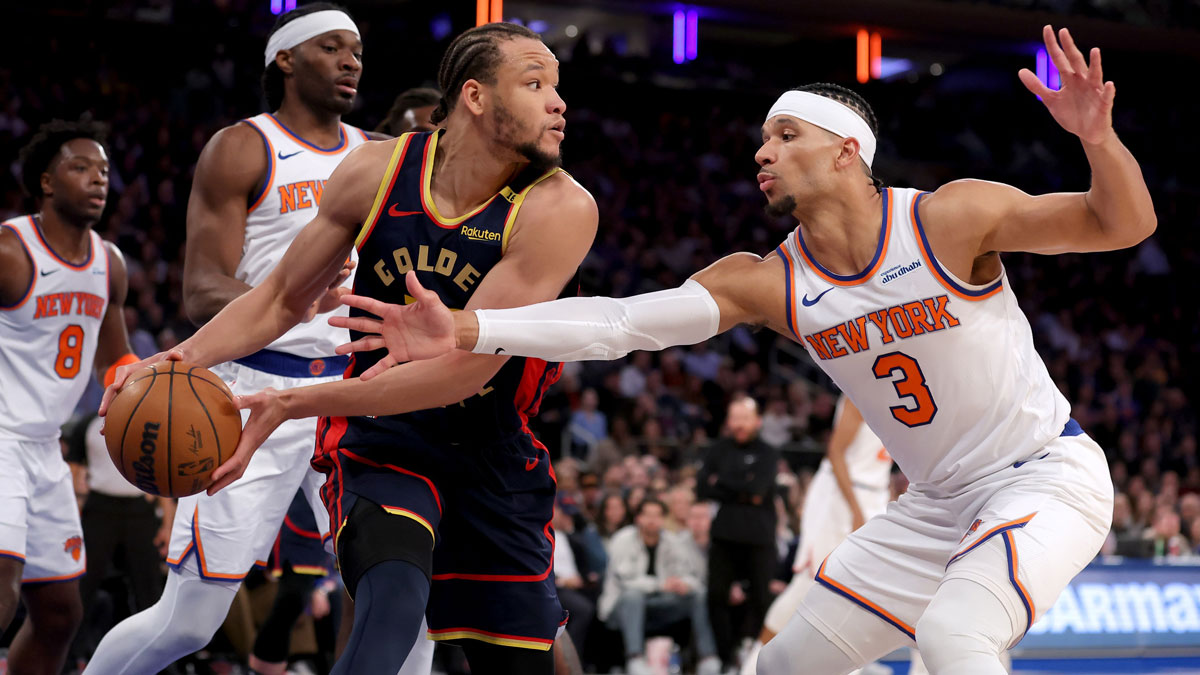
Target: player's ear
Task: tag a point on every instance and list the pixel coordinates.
(285, 61)
(848, 153)
(474, 95)
(47, 190)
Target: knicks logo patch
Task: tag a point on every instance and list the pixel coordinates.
(971, 530)
(316, 367)
(74, 546)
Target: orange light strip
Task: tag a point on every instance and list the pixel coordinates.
(497, 10)
(862, 63)
(876, 56)
(481, 12)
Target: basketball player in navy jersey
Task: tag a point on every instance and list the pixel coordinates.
(482, 212)
(257, 184)
(62, 293)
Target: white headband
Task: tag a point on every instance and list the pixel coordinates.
(307, 27)
(830, 116)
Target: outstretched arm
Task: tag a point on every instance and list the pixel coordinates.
(969, 219)
(740, 288)
(558, 216)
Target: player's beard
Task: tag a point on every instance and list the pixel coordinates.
(783, 206)
(508, 128)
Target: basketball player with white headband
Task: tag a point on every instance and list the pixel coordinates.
(901, 297)
(257, 184)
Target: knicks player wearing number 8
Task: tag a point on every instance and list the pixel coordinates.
(62, 289)
(901, 297)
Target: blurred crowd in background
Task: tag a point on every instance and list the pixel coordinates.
(672, 171)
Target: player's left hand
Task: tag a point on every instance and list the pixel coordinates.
(266, 414)
(1083, 106)
(331, 299)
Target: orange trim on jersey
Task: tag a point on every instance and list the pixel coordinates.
(789, 275)
(186, 550)
(91, 257)
(385, 188)
(398, 511)
(204, 573)
(362, 133)
(63, 577)
(335, 150)
(270, 182)
(881, 249)
(427, 198)
(1002, 527)
(12, 554)
(32, 278)
(1010, 545)
(942, 276)
(875, 609)
(540, 644)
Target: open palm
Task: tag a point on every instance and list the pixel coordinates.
(421, 330)
(1083, 106)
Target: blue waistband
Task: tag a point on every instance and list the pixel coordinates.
(1072, 428)
(290, 365)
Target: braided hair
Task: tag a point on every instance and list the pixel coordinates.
(474, 55)
(851, 100)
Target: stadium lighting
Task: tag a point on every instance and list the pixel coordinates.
(678, 35)
(862, 68)
(280, 6)
(693, 22)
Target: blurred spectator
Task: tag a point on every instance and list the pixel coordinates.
(651, 585)
(410, 112)
(570, 581)
(614, 515)
(739, 475)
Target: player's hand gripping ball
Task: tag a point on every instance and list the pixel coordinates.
(170, 426)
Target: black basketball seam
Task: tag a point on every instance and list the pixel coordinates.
(219, 388)
(211, 424)
(129, 420)
(170, 406)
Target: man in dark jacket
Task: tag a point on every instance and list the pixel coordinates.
(739, 475)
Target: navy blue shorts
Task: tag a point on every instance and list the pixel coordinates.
(488, 510)
(299, 544)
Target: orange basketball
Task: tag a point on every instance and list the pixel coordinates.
(170, 426)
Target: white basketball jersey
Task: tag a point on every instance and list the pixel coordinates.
(943, 371)
(296, 177)
(869, 464)
(48, 338)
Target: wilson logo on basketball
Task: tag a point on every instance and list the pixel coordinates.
(143, 467)
(74, 546)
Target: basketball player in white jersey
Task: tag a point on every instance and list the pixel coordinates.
(257, 183)
(62, 290)
(903, 301)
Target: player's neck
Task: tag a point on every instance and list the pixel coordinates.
(467, 172)
(321, 128)
(842, 233)
(68, 239)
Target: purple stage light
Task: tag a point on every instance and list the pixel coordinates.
(678, 35)
(691, 42)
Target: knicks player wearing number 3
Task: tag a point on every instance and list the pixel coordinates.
(901, 297)
(62, 290)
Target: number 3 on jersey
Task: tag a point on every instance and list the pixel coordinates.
(911, 385)
(70, 348)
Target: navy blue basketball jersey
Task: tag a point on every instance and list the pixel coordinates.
(405, 234)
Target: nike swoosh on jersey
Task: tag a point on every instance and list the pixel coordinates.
(809, 303)
(1017, 465)
(283, 156)
(46, 273)
(396, 213)
(530, 463)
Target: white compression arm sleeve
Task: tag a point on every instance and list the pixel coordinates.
(600, 329)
